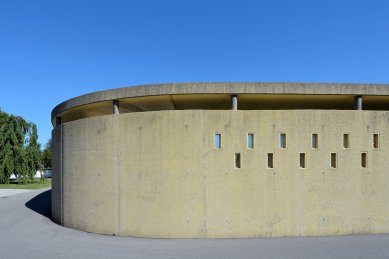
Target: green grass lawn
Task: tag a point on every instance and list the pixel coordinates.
(37, 184)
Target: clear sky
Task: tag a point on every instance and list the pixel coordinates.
(54, 50)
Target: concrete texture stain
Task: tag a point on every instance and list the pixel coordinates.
(157, 174)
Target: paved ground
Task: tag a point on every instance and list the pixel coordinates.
(9, 192)
(26, 231)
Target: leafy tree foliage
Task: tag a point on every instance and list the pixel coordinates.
(19, 148)
(46, 155)
(33, 152)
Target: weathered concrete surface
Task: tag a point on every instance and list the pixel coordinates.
(223, 88)
(26, 231)
(162, 176)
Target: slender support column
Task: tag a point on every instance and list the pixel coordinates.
(358, 102)
(234, 102)
(57, 121)
(115, 106)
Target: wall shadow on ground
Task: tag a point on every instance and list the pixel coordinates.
(41, 204)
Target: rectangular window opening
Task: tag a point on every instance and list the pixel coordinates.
(363, 160)
(346, 141)
(375, 141)
(302, 160)
(250, 141)
(333, 160)
(237, 160)
(283, 140)
(270, 162)
(218, 140)
(315, 141)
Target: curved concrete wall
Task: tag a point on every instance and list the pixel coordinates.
(157, 174)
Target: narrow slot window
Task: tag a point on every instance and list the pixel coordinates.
(333, 160)
(237, 160)
(283, 140)
(363, 160)
(218, 141)
(375, 141)
(315, 141)
(250, 141)
(270, 160)
(346, 141)
(302, 160)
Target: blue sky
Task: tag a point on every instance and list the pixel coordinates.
(51, 51)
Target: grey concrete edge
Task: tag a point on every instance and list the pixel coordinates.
(222, 88)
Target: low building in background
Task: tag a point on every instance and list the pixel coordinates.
(37, 175)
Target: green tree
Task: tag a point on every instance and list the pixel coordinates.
(3, 150)
(13, 131)
(19, 148)
(46, 155)
(33, 152)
